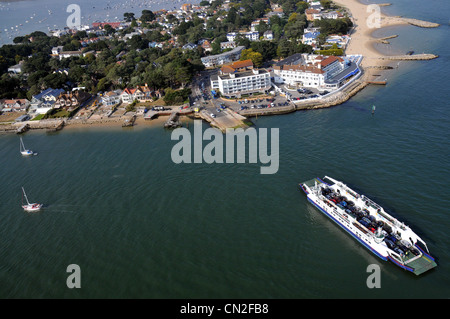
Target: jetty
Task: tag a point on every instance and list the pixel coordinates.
(411, 57)
(57, 127)
(173, 120)
(225, 120)
(385, 39)
(414, 22)
(23, 128)
(129, 122)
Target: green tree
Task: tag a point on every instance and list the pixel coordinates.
(147, 16)
(256, 57)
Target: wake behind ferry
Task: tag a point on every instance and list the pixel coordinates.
(368, 223)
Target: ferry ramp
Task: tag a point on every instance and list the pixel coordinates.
(421, 265)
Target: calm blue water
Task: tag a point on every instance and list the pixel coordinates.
(140, 226)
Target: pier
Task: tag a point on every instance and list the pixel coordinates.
(58, 126)
(23, 128)
(172, 121)
(129, 122)
(226, 119)
(411, 57)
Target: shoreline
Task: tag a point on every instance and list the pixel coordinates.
(362, 40)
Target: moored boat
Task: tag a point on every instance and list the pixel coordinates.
(24, 151)
(369, 224)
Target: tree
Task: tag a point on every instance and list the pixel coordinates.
(129, 16)
(147, 16)
(256, 57)
(109, 29)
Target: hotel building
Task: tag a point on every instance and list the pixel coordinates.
(241, 78)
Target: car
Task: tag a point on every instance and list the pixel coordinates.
(213, 115)
(218, 110)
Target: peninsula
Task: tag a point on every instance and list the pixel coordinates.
(217, 61)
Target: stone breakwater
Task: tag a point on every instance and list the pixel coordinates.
(415, 22)
(413, 57)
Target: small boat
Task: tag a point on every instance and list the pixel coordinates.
(24, 151)
(34, 207)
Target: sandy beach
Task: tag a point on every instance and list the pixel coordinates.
(362, 40)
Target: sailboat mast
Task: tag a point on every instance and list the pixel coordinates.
(26, 198)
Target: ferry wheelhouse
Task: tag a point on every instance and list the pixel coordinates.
(369, 224)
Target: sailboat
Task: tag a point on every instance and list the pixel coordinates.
(24, 151)
(30, 207)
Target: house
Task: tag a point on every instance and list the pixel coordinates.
(186, 7)
(255, 24)
(251, 35)
(15, 69)
(14, 105)
(310, 38)
(111, 98)
(69, 54)
(57, 50)
(206, 45)
(44, 101)
(312, 14)
(189, 46)
(140, 93)
(340, 40)
(127, 95)
(268, 35)
(70, 101)
(227, 45)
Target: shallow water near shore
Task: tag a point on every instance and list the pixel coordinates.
(140, 226)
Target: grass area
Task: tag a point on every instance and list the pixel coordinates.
(38, 117)
(59, 113)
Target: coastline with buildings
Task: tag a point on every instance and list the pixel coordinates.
(297, 82)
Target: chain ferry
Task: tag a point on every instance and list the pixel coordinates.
(385, 236)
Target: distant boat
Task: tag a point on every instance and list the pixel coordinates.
(30, 207)
(24, 151)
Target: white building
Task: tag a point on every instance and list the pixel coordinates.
(69, 54)
(251, 35)
(111, 98)
(240, 78)
(268, 35)
(227, 45)
(223, 58)
(57, 50)
(315, 71)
